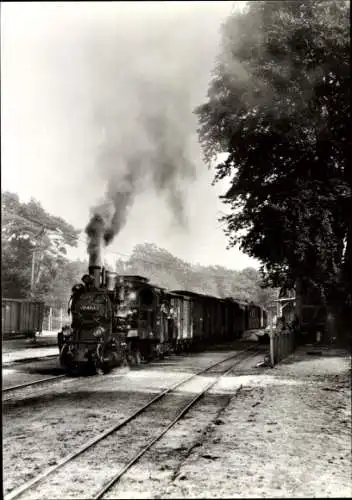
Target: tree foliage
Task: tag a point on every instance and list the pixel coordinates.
(26, 229)
(165, 270)
(279, 104)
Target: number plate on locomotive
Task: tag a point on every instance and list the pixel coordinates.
(89, 308)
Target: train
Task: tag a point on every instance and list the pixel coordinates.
(21, 317)
(119, 319)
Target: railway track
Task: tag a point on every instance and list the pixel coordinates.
(31, 487)
(42, 381)
(25, 361)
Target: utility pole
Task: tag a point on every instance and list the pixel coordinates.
(38, 236)
(32, 275)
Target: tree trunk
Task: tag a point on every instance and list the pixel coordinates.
(346, 313)
(40, 268)
(299, 299)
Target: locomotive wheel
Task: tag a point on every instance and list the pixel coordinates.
(105, 368)
(101, 368)
(137, 356)
(73, 369)
(128, 360)
(67, 362)
(125, 361)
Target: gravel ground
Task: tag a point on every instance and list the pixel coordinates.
(282, 432)
(15, 350)
(285, 432)
(39, 429)
(30, 372)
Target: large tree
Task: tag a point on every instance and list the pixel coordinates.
(279, 105)
(34, 246)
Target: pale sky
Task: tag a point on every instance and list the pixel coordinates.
(64, 70)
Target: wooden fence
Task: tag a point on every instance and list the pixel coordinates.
(55, 318)
(282, 344)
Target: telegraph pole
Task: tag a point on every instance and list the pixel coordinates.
(32, 275)
(34, 251)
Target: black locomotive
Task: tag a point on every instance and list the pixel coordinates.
(125, 319)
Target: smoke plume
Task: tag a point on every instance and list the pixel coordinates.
(144, 82)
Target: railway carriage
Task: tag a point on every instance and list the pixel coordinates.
(198, 319)
(207, 316)
(21, 317)
(264, 318)
(239, 317)
(227, 309)
(254, 317)
(182, 307)
(125, 317)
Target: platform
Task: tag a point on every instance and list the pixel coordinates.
(19, 349)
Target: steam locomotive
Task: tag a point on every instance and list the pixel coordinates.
(119, 319)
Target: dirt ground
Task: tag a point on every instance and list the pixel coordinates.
(260, 432)
(283, 432)
(41, 427)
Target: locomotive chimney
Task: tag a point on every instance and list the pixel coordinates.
(95, 271)
(110, 280)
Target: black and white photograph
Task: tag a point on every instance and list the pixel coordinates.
(176, 249)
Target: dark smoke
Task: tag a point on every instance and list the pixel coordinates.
(95, 232)
(108, 218)
(121, 198)
(148, 79)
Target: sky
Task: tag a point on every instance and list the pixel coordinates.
(77, 79)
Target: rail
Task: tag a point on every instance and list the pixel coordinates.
(42, 381)
(180, 415)
(282, 344)
(32, 483)
(24, 361)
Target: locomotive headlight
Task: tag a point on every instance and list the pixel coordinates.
(98, 332)
(132, 295)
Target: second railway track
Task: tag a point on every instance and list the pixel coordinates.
(36, 383)
(25, 361)
(101, 454)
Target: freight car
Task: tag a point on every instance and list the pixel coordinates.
(204, 319)
(254, 318)
(21, 317)
(118, 318)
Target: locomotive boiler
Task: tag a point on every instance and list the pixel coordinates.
(115, 319)
(89, 342)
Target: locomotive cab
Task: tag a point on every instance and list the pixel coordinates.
(140, 301)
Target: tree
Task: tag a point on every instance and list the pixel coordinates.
(34, 246)
(172, 273)
(278, 103)
(157, 264)
(56, 290)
